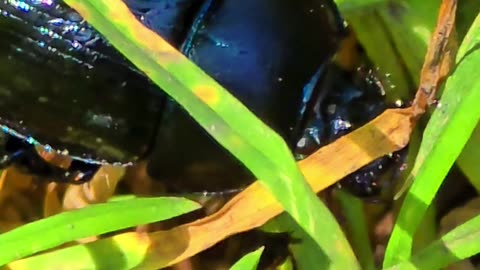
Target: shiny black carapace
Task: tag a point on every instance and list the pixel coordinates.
(64, 87)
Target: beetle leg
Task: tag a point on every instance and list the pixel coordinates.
(80, 172)
(26, 158)
(10, 158)
(16, 151)
(31, 162)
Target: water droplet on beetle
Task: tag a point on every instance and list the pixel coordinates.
(30, 140)
(340, 124)
(302, 142)
(56, 21)
(85, 35)
(74, 17)
(398, 103)
(47, 148)
(331, 108)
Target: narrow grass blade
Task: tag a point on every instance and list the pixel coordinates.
(356, 5)
(90, 221)
(395, 36)
(385, 134)
(249, 261)
(458, 244)
(288, 264)
(305, 251)
(471, 42)
(468, 159)
(409, 25)
(229, 122)
(447, 132)
(356, 225)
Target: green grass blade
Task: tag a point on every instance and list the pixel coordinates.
(356, 224)
(410, 24)
(447, 132)
(460, 243)
(306, 252)
(471, 40)
(90, 221)
(288, 264)
(468, 159)
(466, 12)
(356, 5)
(229, 122)
(249, 261)
(395, 36)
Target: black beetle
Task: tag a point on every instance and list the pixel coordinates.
(64, 87)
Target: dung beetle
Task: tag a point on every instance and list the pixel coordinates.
(64, 87)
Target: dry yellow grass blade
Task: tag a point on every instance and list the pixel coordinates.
(254, 206)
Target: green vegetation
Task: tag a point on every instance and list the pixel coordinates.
(397, 45)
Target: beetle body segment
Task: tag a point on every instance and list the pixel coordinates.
(63, 86)
(264, 52)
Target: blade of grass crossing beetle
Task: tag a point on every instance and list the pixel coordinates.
(222, 116)
(90, 221)
(447, 132)
(245, 211)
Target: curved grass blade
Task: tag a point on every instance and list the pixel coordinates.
(229, 122)
(447, 132)
(385, 134)
(249, 261)
(460, 243)
(90, 221)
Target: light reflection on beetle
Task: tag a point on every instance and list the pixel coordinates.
(273, 55)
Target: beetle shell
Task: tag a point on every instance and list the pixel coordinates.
(264, 52)
(92, 102)
(62, 85)
(85, 97)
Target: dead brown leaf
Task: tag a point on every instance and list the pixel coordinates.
(254, 206)
(439, 59)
